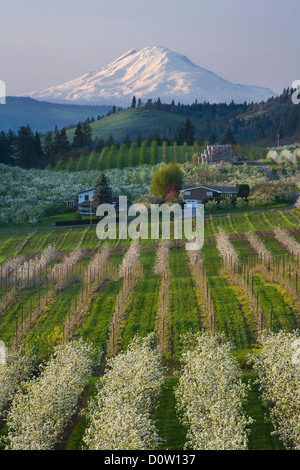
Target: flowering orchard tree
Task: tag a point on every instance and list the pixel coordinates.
(30, 269)
(210, 395)
(17, 369)
(259, 247)
(40, 412)
(288, 241)
(278, 368)
(120, 414)
(162, 257)
(226, 249)
(131, 257)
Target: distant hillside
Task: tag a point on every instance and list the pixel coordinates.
(43, 116)
(134, 122)
(257, 124)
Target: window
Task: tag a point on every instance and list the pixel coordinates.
(86, 197)
(187, 193)
(209, 193)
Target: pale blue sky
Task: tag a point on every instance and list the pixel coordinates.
(45, 43)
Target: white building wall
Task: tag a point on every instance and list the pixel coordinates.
(90, 195)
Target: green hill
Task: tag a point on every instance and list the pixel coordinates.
(134, 122)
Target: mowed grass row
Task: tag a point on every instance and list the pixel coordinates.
(142, 311)
(186, 314)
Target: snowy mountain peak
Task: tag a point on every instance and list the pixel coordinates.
(152, 72)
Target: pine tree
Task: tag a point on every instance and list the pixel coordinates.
(4, 154)
(187, 133)
(48, 145)
(78, 137)
(133, 102)
(87, 139)
(38, 150)
(25, 148)
(127, 140)
(103, 192)
(212, 140)
(229, 138)
(64, 144)
(110, 141)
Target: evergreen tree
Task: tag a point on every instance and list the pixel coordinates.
(187, 133)
(64, 144)
(87, 139)
(38, 150)
(229, 138)
(201, 140)
(99, 145)
(5, 156)
(213, 139)
(127, 140)
(25, 148)
(56, 143)
(103, 192)
(110, 141)
(133, 102)
(11, 143)
(78, 137)
(48, 145)
(139, 140)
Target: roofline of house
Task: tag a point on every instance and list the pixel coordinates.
(86, 191)
(230, 188)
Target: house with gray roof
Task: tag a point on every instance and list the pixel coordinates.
(194, 195)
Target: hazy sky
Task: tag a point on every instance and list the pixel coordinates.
(47, 42)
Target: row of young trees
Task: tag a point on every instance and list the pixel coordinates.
(28, 150)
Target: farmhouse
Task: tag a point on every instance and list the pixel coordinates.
(194, 195)
(85, 200)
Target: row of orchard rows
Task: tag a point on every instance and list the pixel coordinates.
(112, 157)
(82, 292)
(29, 242)
(176, 299)
(210, 395)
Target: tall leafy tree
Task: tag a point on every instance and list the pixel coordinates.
(166, 177)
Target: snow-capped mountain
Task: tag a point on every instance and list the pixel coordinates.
(152, 72)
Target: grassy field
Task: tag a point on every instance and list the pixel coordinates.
(134, 122)
(232, 307)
